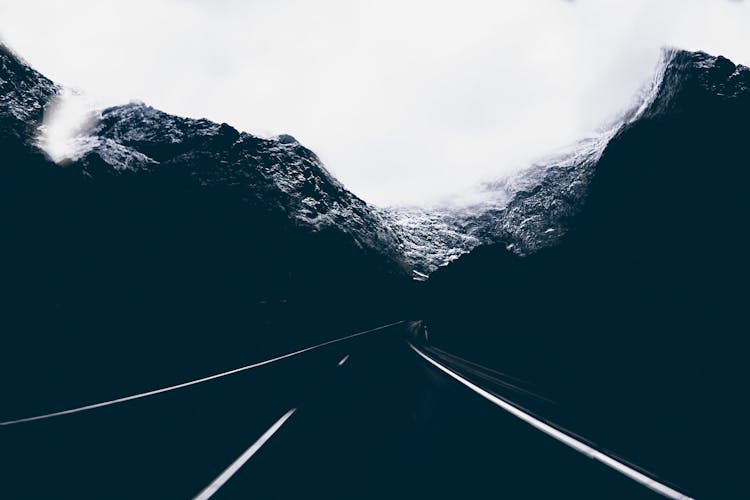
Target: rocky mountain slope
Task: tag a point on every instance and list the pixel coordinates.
(23, 95)
(525, 212)
(276, 174)
(634, 322)
(172, 243)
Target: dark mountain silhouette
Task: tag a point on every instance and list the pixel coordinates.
(173, 243)
(635, 321)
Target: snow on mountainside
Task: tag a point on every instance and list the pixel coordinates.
(524, 212)
(651, 278)
(277, 173)
(533, 208)
(23, 96)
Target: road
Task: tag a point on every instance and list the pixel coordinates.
(369, 417)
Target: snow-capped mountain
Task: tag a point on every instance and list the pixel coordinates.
(524, 212)
(636, 319)
(23, 95)
(277, 173)
(176, 225)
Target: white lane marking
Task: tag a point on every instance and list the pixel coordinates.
(561, 436)
(225, 476)
(343, 360)
(193, 382)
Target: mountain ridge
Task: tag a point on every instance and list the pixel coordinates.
(635, 319)
(171, 265)
(525, 212)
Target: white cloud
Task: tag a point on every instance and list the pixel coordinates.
(404, 101)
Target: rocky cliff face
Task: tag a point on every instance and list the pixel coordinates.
(23, 95)
(635, 319)
(526, 212)
(531, 209)
(277, 174)
(179, 235)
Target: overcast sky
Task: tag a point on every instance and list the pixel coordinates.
(404, 101)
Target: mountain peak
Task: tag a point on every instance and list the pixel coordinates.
(692, 80)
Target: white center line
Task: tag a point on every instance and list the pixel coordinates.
(225, 476)
(192, 382)
(343, 360)
(561, 436)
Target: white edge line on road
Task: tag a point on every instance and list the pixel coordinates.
(561, 436)
(192, 382)
(225, 476)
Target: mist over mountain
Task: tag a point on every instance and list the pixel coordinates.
(525, 212)
(636, 317)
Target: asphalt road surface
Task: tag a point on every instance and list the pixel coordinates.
(374, 416)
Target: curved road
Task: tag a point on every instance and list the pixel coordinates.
(369, 417)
